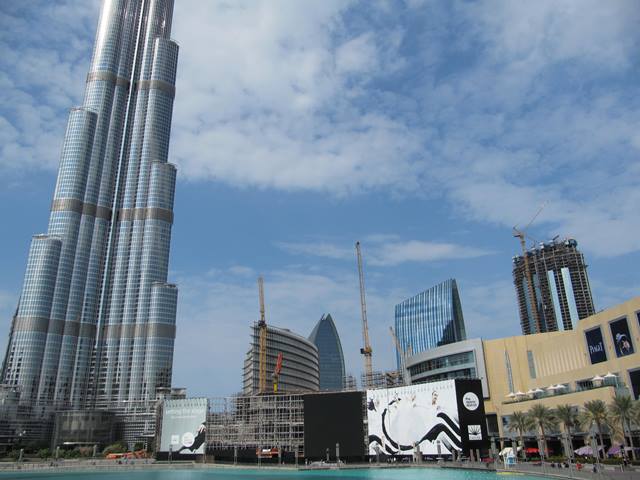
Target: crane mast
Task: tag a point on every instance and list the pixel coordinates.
(262, 325)
(402, 369)
(366, 351)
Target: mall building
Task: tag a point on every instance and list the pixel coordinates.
(596, 360)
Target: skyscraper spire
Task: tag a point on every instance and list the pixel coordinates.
(96, 319)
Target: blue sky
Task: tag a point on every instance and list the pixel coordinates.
(424, 129)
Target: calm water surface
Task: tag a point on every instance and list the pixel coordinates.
(239, 474)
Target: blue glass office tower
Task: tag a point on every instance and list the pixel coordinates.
(430, 319)
(95, 322)
(331, 359)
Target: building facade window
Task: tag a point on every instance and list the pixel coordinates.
(532, 365)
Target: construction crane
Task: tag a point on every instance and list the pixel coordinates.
(366, 351)
(262, 325)
(276, 373)
(403, 357)
(521, 234)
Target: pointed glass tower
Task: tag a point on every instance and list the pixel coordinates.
(96, 319)
(325, 337)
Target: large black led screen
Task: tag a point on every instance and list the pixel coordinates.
(331, 418)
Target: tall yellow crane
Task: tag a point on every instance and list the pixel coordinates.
(366, 351)
(262, 325)
(521, 234)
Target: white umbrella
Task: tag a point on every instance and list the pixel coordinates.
(510, 395)
(560, 386)
(597, 378)
(610, 375)
(530, 392)
(539, 390)
(552, 388)
(519, 393)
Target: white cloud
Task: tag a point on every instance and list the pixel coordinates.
(491, 106)
(271, 96)
(44, 56)
(387, 250)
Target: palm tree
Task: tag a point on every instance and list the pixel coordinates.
(595, 412)
(544, 419)
(621, 410)
(567, 415)
(520, 422)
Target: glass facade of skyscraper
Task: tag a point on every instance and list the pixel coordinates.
(330, 356)
(95, 322)
(430, 319)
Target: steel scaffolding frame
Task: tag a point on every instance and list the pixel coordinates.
(259, 421)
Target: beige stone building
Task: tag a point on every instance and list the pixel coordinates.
(600, 357)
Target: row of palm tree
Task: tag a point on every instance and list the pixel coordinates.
(618, 417)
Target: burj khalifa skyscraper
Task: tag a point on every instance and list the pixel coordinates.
(95, 323)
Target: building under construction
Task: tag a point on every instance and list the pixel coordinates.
(287, 427)
(561, 287)
(299, 370)
(246, 427)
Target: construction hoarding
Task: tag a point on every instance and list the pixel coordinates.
(184, 426)
(436, 418)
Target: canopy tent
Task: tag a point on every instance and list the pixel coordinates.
(586, 450)
(615, 450)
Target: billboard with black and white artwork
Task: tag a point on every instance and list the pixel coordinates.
(438, 417)
(184, 426)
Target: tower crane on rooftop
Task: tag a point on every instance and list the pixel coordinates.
(521, 234)
(366, 350)
(262, 326)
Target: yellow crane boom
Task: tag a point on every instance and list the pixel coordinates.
(366, 351)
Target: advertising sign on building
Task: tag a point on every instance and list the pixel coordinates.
(595, 346)
(439, 418)
(184, 426)
(621, 337)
